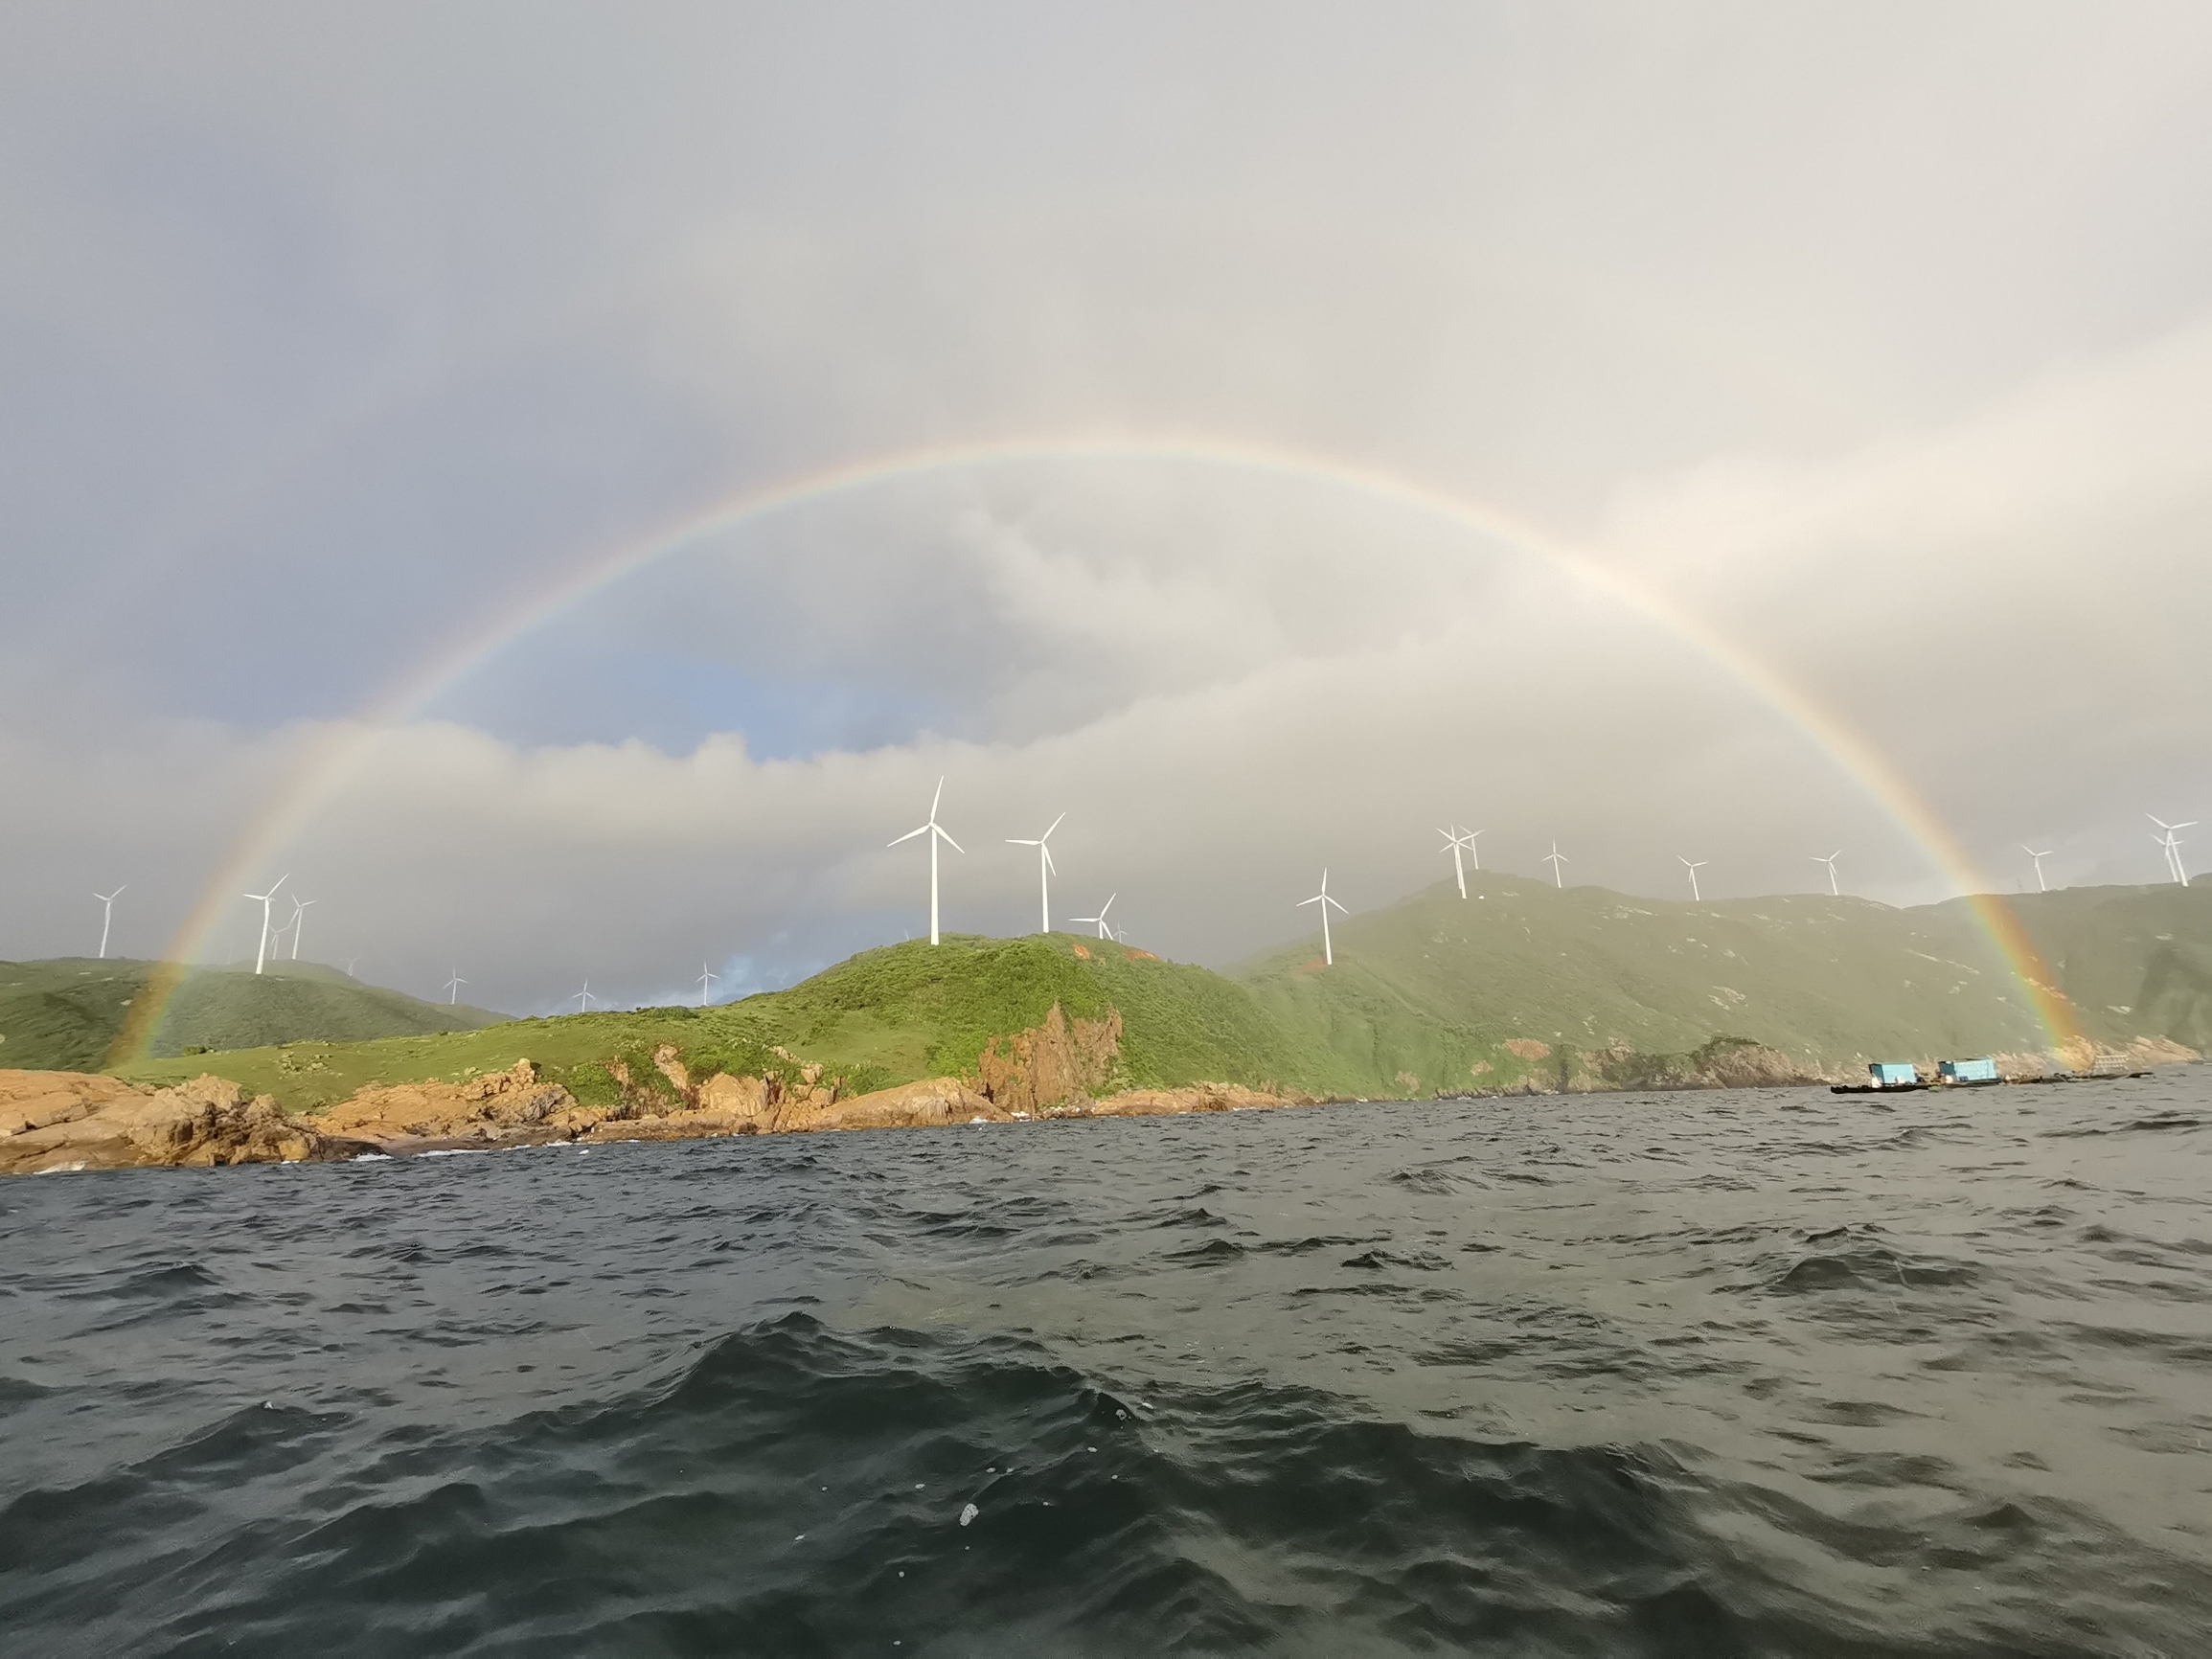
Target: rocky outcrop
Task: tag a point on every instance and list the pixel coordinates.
(1051, 1064)
(515, 1104)
(68, 1121)
(1194, 1098)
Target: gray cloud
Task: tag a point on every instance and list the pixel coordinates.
(1878, 342)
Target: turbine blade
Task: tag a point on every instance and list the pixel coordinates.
(1056, 824)
(956, 846)
(1048, 863)
(1017, 841)
(934, 798)
(909, 835)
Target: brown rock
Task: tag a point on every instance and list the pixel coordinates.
(740, 1099)
(665, 1062)
(205, 1121)
(1050, 1064)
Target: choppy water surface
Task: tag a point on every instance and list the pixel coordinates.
(1748, 1373)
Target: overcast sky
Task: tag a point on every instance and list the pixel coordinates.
(1876, 339)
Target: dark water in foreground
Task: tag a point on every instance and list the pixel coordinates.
(1749, 1372)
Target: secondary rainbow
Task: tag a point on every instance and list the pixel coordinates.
(320, 773)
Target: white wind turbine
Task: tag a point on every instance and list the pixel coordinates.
(107, 916)
(583, 999)
(264, 900)
(299, 921)
(452, 989)
(707, 977)
(1100, 920)
(1834, 891)
(2041, 886)
(1695, 898)
(1456, 843)
(1322, 898)
(935, 834)
(2173, 847)
(1046, 870)
(1554, 859)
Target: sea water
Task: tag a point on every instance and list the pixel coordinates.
(1698, 1374)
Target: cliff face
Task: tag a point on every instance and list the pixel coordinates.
(1052, 1064)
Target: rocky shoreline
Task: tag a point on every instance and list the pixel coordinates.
(67, 1121)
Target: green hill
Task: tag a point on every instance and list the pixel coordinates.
(1518, 983)
(1435, 988)
(886, 1016)
(63, 1014)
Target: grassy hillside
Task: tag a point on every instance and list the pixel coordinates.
(1520, 983)
(1429, 993)
(62, 1015)
(886, 1016)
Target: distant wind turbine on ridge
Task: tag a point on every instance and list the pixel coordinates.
(1554, 859)
(107, 916)
(1046, 870)
(453, 988)
(299, 922)
(1695, 898)
(935, 834)
(1322, 898)
(1455, 843)
(2173, 847)
(584, 998)
(1100, 920)
(2041, 886)
(1834, 891)
(707, 977)
(263, 900)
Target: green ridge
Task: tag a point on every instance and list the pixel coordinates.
(1433, 994)
(63, 1014)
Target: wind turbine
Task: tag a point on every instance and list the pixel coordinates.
(1322, 898)
(2041, 886)
(299, 919)
(2171, 846)
(107, 916)
(350, 961)
(1834, 891)
(707, 977)
(1695, 898)
(935, 834)
(1455, 843)
(584, 999)
(1045, 869)
(263, 899)
(1100, 920)
(1555, 860)
(453, 988)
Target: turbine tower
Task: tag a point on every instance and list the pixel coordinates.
(935, 834)
(263, 900)
(1455, 843)
(1555, 860)
(1046, 870)
(2041, 886)
(107, 916)
(453, 988)
(1834, 891)
(2173, 847)
(299, 919)
(706, 978)
(1695, 898)
(1322, 898)
(1100, 920)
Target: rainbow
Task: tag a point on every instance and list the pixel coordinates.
(319, 774)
